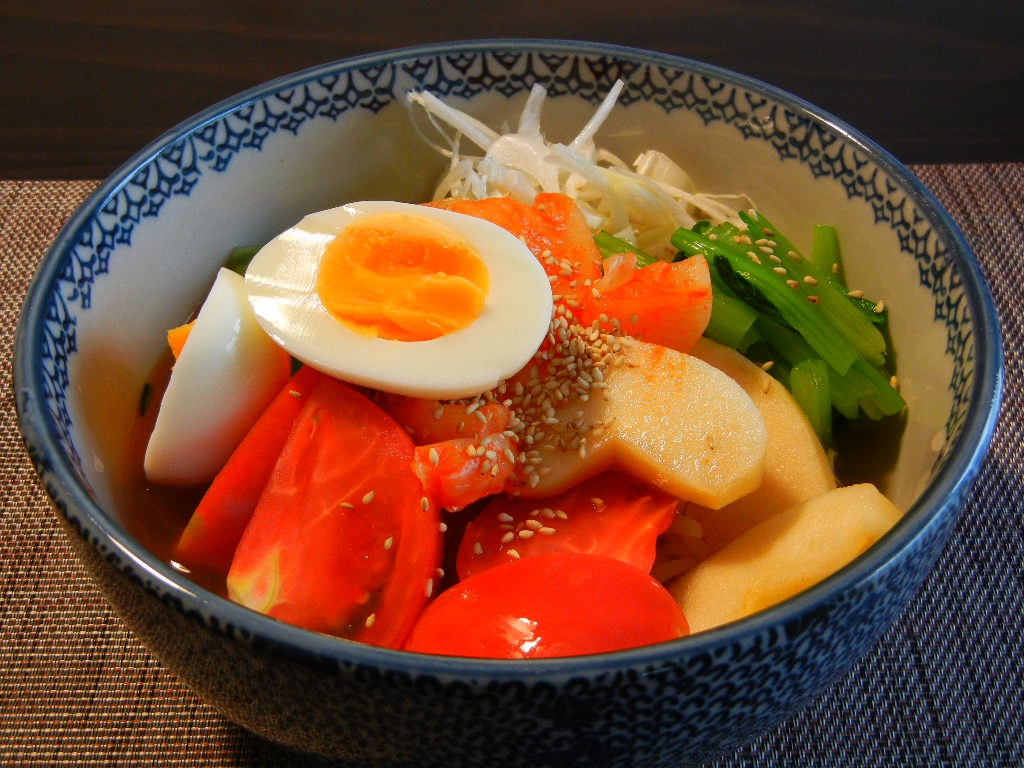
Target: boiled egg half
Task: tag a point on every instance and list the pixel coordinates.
(403, 298)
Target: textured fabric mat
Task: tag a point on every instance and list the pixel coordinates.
(944, 687)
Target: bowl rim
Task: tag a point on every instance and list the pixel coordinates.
(939, 499)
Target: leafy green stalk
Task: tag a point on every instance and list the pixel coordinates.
(820, 340)
(610, 245)
(809, 383)
(239, 258)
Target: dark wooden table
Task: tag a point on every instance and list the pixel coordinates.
(83, 85)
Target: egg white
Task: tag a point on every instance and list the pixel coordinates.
(227, 373)
(281, 283)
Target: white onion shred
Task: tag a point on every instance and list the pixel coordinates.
(643, 203)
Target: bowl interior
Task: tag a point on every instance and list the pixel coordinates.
(143, 250)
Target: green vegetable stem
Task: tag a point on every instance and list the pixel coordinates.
(826, 343)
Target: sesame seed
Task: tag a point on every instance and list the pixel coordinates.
(526, 533)
(813, 299)
(346, 505)
(507, 537)
(435, 457)
(547, 530)
(429, 588)
(443, 527)
(880, 306)
(810, 280)
(535, 525)
(855, 294)
(425, 503)
(478, 548)
(368, 497)
(513, 553)
(779, 270)
(389, 542)
(793, 284)
(767, 365)
(294, 393)
(370, 620)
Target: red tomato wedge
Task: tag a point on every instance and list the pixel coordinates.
(457, 472)
(553, 228)
(342, 540)
(434, 421)
(554, 604)
(611, 514)
(209, 540)
(663, 303)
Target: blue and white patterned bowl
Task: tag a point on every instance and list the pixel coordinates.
(145, 246)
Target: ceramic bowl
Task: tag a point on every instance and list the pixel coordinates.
(144, 248)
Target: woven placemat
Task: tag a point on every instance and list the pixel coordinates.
(942, 688)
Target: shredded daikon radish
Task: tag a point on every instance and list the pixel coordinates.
(643, 203)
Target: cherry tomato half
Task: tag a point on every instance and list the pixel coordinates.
(553, 604)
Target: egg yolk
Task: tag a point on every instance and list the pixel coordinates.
(402, 277)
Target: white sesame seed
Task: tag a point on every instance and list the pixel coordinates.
(389, 542)
(368, 497)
